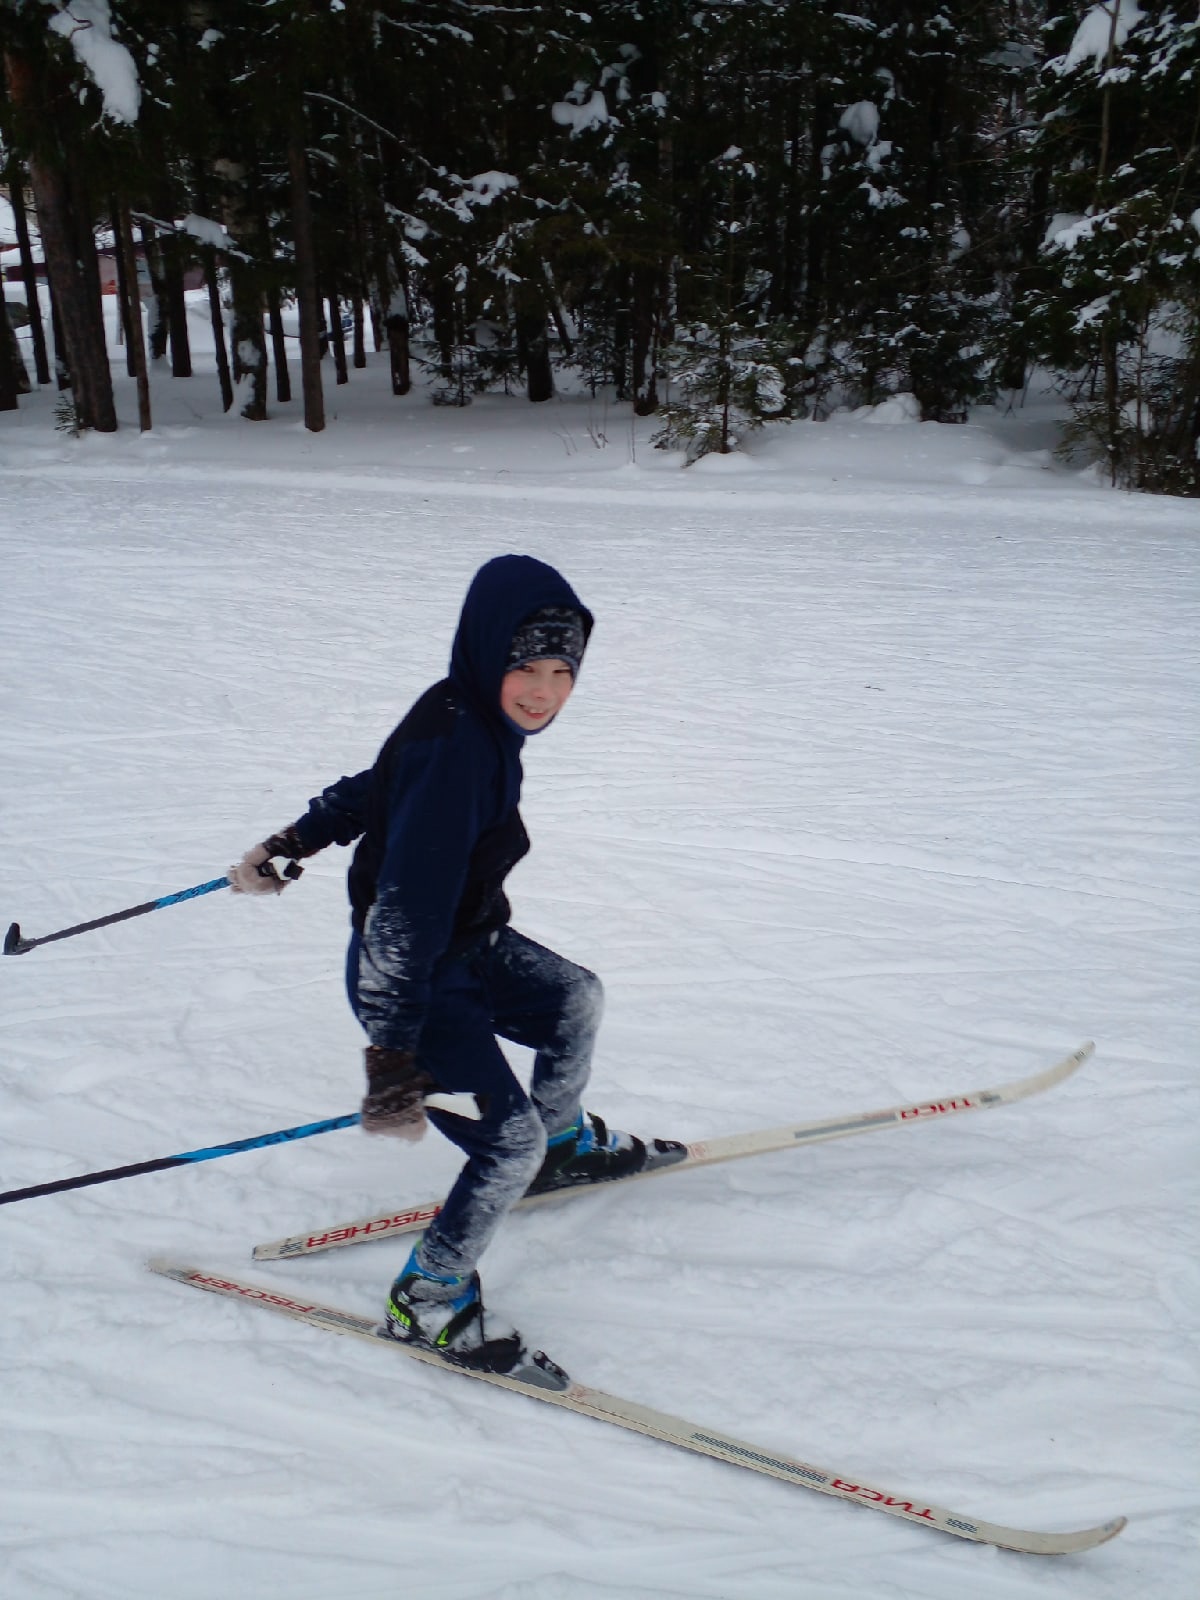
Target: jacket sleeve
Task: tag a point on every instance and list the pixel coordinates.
(337, 815)
(437, 810)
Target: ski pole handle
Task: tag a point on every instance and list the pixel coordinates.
(15, 945)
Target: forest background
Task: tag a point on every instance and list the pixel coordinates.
(721, 213)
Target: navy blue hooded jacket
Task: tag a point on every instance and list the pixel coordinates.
(437, 813)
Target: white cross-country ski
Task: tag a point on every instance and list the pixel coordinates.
(704, 1153)
(637, 1418)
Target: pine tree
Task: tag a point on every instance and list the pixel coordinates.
(1117, 297)
(53, 107)
(726, 375)
(905, 204)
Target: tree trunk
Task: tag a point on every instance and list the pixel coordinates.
(137, 343)
(358, 252)
(208, 260)
(78, 308)
(360, 349)
(557, 313)
(70, 252)
(247, 339)
(396, 324)
(14, 380)
(171, 247)
(620, 337)
(160, 310)
(283, 382)
(1108, 348)
(28, 272)
(725, 387)
(83, 215)
(218, 327)
(395, 303)
(181, 345)
(532, 341)
(62, 365)
(306, 278)
(249, 365)
(445, 333)
(123, 297)
(647, 312)
(339, 338)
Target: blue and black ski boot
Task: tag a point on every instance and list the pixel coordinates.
(590, 1152)
(446, 1315)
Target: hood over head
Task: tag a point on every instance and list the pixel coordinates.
(504, 593)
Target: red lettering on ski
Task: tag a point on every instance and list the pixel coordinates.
(402, 1219)
(933, 1108)
(248, 1293)
(874, 1495)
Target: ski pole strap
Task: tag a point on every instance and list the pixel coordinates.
(268, 869)
(15, 945)
(183, 1159)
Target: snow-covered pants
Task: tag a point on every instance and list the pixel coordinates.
(509, 986)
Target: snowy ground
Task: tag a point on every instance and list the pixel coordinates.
(880, 782)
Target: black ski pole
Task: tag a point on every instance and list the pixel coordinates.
(15, 945)
(183, 1159)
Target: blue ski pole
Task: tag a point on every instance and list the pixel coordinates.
(459, 1105)
(15, 945)
(183, 1159)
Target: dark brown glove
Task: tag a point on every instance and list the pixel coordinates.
(396, 1090)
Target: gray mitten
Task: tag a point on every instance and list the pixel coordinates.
(256, 872)
(396, 1090)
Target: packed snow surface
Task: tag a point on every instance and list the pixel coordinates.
(879, 783)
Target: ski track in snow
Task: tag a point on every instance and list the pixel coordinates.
(870, 789)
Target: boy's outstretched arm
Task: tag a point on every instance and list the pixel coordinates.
(336, 816)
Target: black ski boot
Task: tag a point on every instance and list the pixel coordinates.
(590, 1152)
(446, 1315)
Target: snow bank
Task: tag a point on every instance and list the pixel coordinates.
(897, 408)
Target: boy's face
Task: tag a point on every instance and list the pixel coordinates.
(535, 691)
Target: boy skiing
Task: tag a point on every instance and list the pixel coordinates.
(435, 972)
